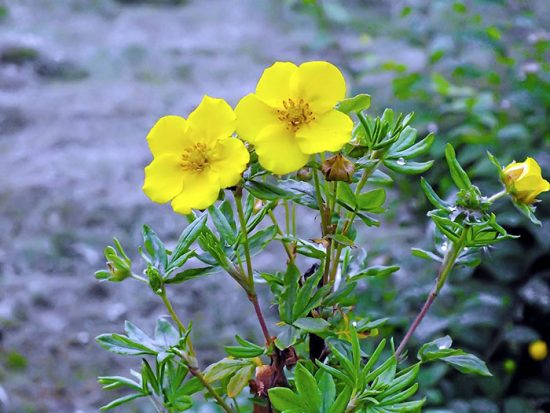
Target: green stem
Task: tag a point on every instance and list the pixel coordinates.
(281, 233)
(246, 244)
(195, 372)
(445, 269)
(181, 327)
(251, 288)
(351, 217)
(498, 195)
(320, 203)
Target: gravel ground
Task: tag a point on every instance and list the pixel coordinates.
(80, 84)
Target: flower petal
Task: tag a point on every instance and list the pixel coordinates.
(229, 161)
(200, 190)
(320, 84)
(213, 119)
(274, 85)
(163, 178)
(167, 135)
(278, 151)
(328, 132)
(252, 116)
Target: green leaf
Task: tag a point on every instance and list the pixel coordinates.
(468, 364)
(188, 236)
(245, 350)
(289, 293)
(121, 400)
(115, 343)
(239, 380)
(259, 240)
(375, 271)
(312, 325)
(460, 177)
(302, 305)
(372, 200)
(166, 334)
(284, 399)
(407, 137)
(223, 368)
(117, 382)
(223, 226)
(328, 391)
(354, 104)
(307, 388)
(345, 194)
(154, 247)
(191, 273)
(342, 401)
(432, 196)
(342, 239)
(268, 192)
(415, 150)
(407, 167)
(426, 255)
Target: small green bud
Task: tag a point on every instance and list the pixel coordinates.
(155, 280)
(509, 366)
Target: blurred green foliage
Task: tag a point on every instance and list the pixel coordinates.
(476, 73)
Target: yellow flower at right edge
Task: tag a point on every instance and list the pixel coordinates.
(524, 181)
(291, 116)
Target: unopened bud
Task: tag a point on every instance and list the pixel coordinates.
(258, 205)
(304, 174)
(338, 168)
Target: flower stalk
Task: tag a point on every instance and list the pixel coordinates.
(446, 266)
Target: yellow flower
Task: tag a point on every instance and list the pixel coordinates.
(292, 115)
(193, 159)
(538, 350)
(524, 181)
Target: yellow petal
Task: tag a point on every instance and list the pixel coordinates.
(321, 84)
(199, 191)
(278, 151)
(229, 161)
(328, 132)
(213, 119)
(252, 116)
(274, 85)
(168, 135)
(532, 168)
(163, 178)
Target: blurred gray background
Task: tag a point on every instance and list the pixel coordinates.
(81, 83)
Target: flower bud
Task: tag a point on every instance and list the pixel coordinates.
(524, 182)
(538, 350)
(304, 174)
(338, 168)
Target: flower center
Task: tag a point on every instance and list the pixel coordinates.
(196, 158)
(295, 114)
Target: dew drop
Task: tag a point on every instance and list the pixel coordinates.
(401, 161)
